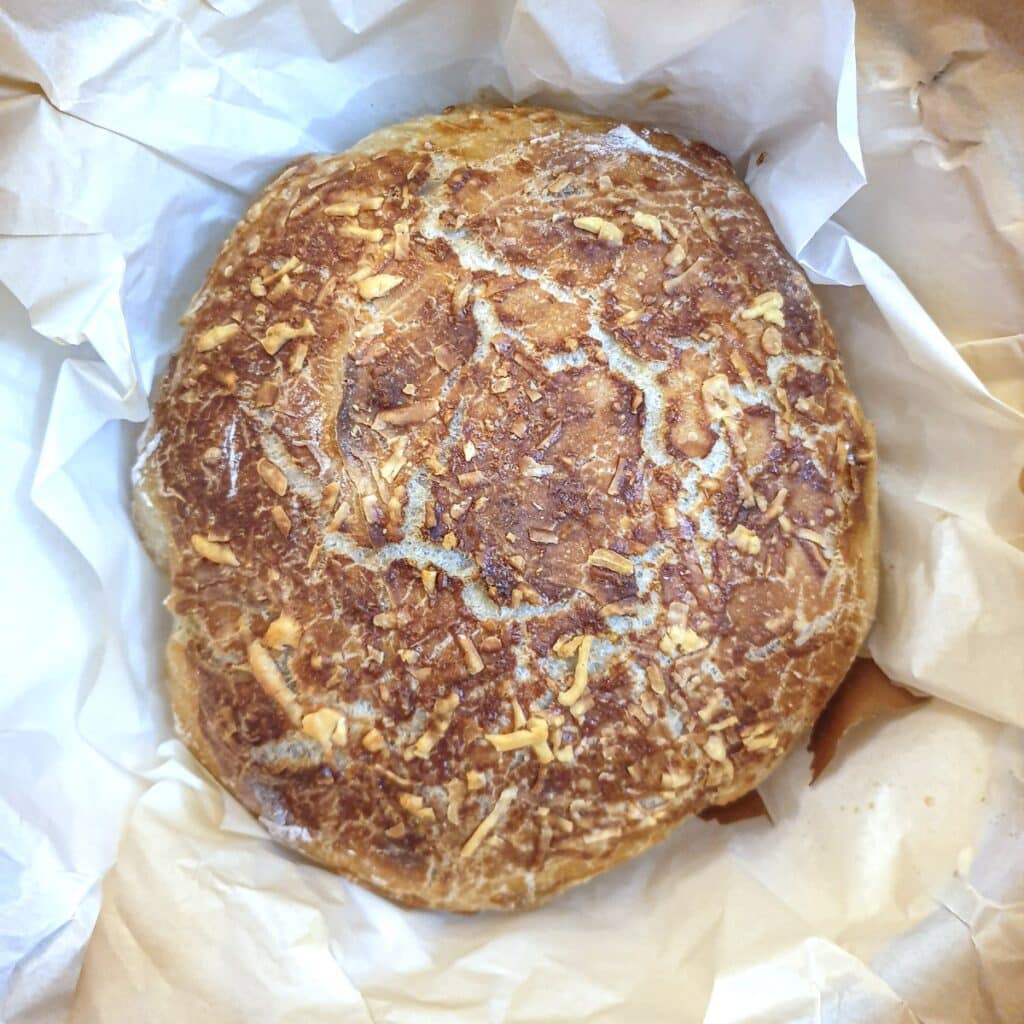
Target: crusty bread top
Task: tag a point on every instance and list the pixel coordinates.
(514, 501)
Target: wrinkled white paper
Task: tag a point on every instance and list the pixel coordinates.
(893, 890)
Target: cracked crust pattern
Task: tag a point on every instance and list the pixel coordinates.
(514, 503)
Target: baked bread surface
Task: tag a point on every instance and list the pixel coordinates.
(514, 502)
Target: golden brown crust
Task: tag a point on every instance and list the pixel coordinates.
(514, 501)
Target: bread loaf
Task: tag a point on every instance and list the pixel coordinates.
(514, 502)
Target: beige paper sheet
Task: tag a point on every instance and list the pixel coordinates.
(893, 890)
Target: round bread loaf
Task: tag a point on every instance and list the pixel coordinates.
(514, 502)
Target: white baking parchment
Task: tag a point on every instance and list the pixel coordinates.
(134, 133)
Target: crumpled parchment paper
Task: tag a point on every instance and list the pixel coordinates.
(134, 134)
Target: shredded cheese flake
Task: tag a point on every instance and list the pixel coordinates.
(279, 334)
(675, 256)
(413, 804)
(365, 234)
(212, 551)
(474, 663)
(681, 639)
(392, 465)
(216, 336)
(566, 646)
(579, 680)
(441, 720)
(768, 307)
(407, 415)
(649, 223)
(346, 209)
(535, 732)
(378, 285)
(321, 725)
(605, 230)
(605, 558)
(746, 540)
(656, 678)
(269, 676)
(715, 748)
(675, 780)
(518, 717)
(284, 631)
(543, 752)
(484, 829)
(281, 520)
(373, 740)
(272, 476)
